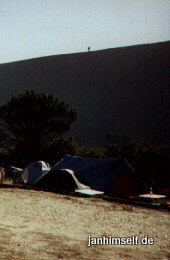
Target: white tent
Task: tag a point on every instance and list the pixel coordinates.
(34, 171)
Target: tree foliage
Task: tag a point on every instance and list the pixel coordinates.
(91, 152)
(150, 160)
(33, 125)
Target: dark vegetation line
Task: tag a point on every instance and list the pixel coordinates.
(33, 127)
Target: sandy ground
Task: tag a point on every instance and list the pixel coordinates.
(45, 225)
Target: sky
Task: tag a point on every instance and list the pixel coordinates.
(36, 28)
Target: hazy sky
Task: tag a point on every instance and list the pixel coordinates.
(35, 28)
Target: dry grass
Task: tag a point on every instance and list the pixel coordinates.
(8, 181)
(44, 225)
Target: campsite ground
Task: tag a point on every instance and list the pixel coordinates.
(45, 225)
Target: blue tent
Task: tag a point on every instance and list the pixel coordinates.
(113, 176)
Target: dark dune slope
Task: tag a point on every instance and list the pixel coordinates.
(121, 90)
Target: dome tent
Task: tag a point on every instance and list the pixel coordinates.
(34, 171)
